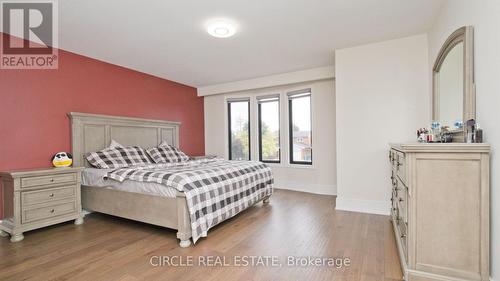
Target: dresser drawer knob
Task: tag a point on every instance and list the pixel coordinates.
(401, 200)
(52, 211)
(51, 180)
(51, 195)
(403, 235)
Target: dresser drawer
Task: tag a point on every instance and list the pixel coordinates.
(394, 200)
(392, 154)
(403, 237)
(39, 213)
(47, 195)
(401, 166)
(393, 179)
(402, 194)
(395, 213)
(45, 180)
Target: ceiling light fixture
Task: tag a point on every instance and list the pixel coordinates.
(221, 29)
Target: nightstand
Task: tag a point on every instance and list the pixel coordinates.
(37, 198)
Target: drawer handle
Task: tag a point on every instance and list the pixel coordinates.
(51, 180)
(403, 235)
(51, 195)
(401, 200)
(52, 211)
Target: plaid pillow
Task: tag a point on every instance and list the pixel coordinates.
(166, 153)
(118, 157)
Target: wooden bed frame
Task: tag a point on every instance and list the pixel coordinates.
(91, 132)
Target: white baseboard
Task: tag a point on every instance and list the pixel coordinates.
(86, 212)
(324, 189)
(363, 206)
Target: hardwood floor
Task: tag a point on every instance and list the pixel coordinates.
(293, 224)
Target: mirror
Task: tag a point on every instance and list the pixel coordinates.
(453, 84)
(451, 87)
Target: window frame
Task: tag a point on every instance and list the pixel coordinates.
(229, 131)
(260, 101)
(291, 96)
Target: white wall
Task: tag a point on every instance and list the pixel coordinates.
(321, 177)
(312, 74)
(381, 96)
(484, 16)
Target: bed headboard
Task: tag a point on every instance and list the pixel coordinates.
(93, 132)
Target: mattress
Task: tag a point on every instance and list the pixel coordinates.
(97, 177)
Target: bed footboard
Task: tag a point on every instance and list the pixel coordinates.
(162, 211)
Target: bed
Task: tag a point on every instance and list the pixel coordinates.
(135, 198)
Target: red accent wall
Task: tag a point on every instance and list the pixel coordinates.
(34, 105)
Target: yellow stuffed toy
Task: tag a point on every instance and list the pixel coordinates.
(62, 159)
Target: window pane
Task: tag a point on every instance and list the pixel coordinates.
(300, 128)
(269, 131)
(239, 134)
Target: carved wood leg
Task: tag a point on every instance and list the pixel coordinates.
(3, 233)
(183, 221)
(266, 200)
(79, 221)
(16, 237)
(185, 243)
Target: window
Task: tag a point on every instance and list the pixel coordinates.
(300, 132)
(239, 129)
(269, 129)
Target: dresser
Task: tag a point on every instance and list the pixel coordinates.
(37, 198)
(440, 210)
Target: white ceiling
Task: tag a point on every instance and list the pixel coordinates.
(167, 38)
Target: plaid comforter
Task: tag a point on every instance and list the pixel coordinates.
(215, 189)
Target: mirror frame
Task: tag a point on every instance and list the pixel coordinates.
(464, 34)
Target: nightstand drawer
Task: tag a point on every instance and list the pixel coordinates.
(47, 195)
(46, 212)
(44, 180)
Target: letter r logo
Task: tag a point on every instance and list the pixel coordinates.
(32, 22)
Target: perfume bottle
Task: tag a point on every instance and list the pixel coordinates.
(478, 134)
(436, 131)
(470, 131)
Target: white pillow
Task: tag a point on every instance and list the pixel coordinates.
(114, 144)
(163, 143)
